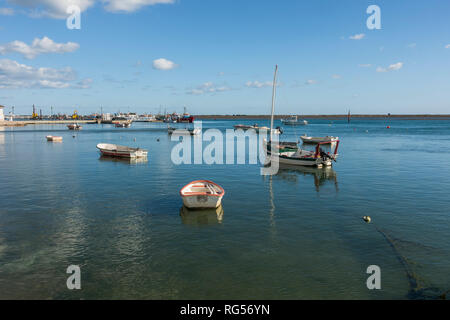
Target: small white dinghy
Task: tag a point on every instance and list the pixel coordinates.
(74, 126)
(121, 151)
(322, 140)
(54, 138)
(202, 194)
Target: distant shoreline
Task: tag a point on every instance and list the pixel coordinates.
(333, 116)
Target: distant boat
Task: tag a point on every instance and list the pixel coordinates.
(121, 151)
(293, 121)
(123, 125)
(202, 194)
(54, 138)
(74, 126)
(186, 117)
(257, 128)
(190, 131)
(321, 140)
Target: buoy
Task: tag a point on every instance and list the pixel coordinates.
(367, 219)
(388, 127)
(134, 139)
(157, 139)
(367, 131)
(73, 136)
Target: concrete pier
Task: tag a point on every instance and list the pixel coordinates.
(33, 122)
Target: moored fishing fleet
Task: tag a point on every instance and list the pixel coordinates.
(206, 194)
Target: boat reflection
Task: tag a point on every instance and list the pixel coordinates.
(139, 160)
(201, 217)
(321, 175)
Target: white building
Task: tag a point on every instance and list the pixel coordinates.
(2, 116)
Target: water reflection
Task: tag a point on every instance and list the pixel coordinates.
(124, 160)
(201, 217)
(321, 175)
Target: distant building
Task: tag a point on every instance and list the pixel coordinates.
(2, 116)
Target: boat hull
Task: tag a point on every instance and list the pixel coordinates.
(321, 140)
(121, 151)
(202, 202)
(54, 138)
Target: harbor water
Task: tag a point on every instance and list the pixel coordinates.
(298, 234)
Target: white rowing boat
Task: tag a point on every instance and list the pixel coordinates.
(54, 138)
(322, 140)
(202, 194)
(114, 150)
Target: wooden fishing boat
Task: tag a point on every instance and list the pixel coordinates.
(301, 157)
(202, 194)
(114, 150)
(74, 126)
(54, 138)
(322, 140)
(291, 154)
(190, 131)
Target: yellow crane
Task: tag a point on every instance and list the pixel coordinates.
(34, 115)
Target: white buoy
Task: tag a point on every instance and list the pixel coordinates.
(367, 219)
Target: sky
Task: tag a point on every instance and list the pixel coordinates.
(218, 57)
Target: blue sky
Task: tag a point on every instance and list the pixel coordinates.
(219, 56)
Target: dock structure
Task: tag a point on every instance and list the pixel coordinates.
(34, 122)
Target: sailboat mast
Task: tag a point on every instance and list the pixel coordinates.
(273, 99)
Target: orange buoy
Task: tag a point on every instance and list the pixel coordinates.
(388, 127)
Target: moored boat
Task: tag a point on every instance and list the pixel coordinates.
(74, 126)
(114, 150)
(54, 138)
(293, 121)
(190, 131)
(202, 194)
(322, 140)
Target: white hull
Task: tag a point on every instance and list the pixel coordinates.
(202, 202)
(54, 138)
(327, 139)
(192, 132)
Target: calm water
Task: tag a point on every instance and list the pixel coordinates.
(295, 235)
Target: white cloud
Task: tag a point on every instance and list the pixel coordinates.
(6, 11)
(447, 46)
(163, 64)
(412, 45)
(131, 5)
(257, 84)
(15, 75)
(308, 82)
(38, 46)
(357, 36)
(336, 76)
(365, 65)
(392, 67)
(52, 8)
(208, 87)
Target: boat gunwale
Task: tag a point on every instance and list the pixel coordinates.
(202, 193)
